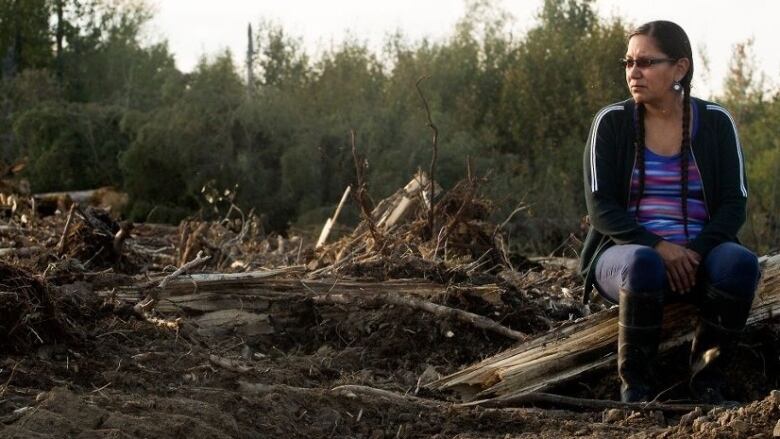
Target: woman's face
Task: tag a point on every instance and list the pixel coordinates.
(652, 83)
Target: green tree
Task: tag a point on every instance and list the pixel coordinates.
(74, 146)
(758, 121)
(178, 149)
(25, 40)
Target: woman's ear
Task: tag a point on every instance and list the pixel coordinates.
(682, 66)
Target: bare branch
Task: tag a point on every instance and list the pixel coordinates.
(434, 155)
(360, 190)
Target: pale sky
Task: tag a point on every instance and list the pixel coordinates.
(195, 28)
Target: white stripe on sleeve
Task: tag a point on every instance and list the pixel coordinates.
(594, 182)
(742, 186)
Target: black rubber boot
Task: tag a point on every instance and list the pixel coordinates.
(638, 337)
(721, 321)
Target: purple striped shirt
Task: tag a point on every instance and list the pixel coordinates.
(661, 209)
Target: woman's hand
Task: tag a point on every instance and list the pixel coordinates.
(681, 265)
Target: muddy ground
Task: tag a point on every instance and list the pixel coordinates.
(96, 369)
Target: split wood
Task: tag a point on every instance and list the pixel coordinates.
(586, 345)
(329, 223)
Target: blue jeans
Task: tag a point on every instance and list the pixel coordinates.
(639, 269)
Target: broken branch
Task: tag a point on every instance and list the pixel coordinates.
(61, 244)
(360, 190)
(438, 310)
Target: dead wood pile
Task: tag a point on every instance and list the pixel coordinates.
(583, 346)
(394, 240)
(390, 259)
(130, 266)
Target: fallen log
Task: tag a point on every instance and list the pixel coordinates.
(255, 305)
(256, 291)
(276, 282)
(584, 345)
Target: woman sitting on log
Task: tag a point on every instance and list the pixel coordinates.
(666, 193)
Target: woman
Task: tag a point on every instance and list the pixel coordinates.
(666, 193)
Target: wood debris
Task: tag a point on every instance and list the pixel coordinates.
(585, 345)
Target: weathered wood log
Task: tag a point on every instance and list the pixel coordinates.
(277, 282)
(585, 345)
(258, 304)
(256, 291)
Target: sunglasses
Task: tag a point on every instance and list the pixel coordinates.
(644, 63)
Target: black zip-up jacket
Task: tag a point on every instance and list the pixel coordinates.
(609, 162)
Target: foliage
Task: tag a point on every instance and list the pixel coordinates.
(758, 119)
(74, 145)
(91, 102)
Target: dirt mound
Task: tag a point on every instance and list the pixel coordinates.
(757, 419)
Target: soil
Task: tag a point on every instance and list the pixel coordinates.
(129, 378)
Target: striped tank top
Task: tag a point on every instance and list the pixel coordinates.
(661, 208)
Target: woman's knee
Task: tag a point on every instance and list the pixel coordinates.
(644, 271)
(733, 269)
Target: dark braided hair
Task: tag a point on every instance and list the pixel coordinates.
(672, 41)
(639, 148)
(686, 146)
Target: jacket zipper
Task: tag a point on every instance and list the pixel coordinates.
(703, 192)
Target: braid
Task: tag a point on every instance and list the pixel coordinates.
(685, 148)
(639, 144)
(671, 40)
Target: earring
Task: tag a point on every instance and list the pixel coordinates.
(677, 86)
